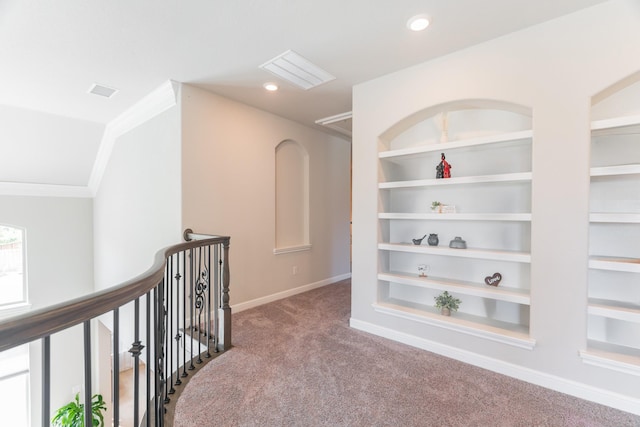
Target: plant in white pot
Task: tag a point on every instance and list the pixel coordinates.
(447, 303)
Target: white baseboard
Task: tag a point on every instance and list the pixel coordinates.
(573, 388)
(284, 294)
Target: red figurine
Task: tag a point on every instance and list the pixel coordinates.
(444, 168)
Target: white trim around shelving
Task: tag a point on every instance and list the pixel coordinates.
(630, 265)
(617, 362)
(616, 122)
(465, 288)
(496, 255)
(290, 249)
(505, 177)
(504, 336)
(459, 216)
(615, 218)
(428, 148)
(632, 169)
(560, 384)
(601, 308)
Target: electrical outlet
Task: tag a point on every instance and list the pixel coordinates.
(294, 271)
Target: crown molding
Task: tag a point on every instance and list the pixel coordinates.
(158, 101)
(43, 190)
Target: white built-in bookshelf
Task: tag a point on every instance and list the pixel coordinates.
(613, 339)
(490, 188)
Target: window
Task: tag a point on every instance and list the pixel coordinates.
(13, 280)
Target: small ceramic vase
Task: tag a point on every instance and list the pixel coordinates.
(458, 243)
(433, 240)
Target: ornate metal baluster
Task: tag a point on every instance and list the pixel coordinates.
(160, 320)
(178, 276)
(226, 308)
(200, 288)
(184, 315)
(148, 404)
(135, 350)
(169, 362)
(191, 317)
(216, 295)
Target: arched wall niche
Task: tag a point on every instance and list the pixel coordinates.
(457, 120)
(292, 197)
(622, 98)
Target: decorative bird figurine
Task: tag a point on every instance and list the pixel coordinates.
(418, 241)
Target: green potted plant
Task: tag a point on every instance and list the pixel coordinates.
(72, 414)
(436, 206)
(447, 303)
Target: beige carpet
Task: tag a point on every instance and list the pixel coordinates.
(296, 362)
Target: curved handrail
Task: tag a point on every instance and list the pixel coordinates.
(46, 321)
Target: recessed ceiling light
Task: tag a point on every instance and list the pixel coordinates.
(271, 87)
(101, 90)
(418, 22)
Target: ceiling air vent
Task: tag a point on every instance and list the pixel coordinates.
(101, 90)
(300, 71)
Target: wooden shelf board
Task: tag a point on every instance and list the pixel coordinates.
(612, 356)
(498, 255)
(515, 335)
(458, 216)
(506, 177)
(631, 265)
(615, 218)
(514, 295)
(614, 310)
(631, 169)
(429, 148)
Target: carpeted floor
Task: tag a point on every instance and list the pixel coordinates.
(296, 362)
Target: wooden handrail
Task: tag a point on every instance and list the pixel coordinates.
(43, 322)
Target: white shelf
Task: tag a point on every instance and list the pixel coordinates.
(617, 125)
(506, 177)
(616, 218)
(518, 296)
(632, 169)
(429, 148)
(631, 265)
(497, 255)
(610, 356)
(459, 216)
(614, 310)
(515, 335)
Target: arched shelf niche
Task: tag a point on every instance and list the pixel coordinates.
(292, 197)
(613, 310)
(486, 201)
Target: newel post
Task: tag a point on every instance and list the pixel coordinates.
(225, 311)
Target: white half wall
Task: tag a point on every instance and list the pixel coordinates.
(228, 188)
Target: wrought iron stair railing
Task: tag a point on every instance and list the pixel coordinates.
(181, 315)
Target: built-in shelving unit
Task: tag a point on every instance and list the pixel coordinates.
(491, 189)
(614, 261)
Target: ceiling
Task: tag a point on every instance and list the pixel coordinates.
(51, 53)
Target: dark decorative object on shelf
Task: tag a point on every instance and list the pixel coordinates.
(418, 241)
(458, 243)
(433, 240)
(493, 280)
(443, 170)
